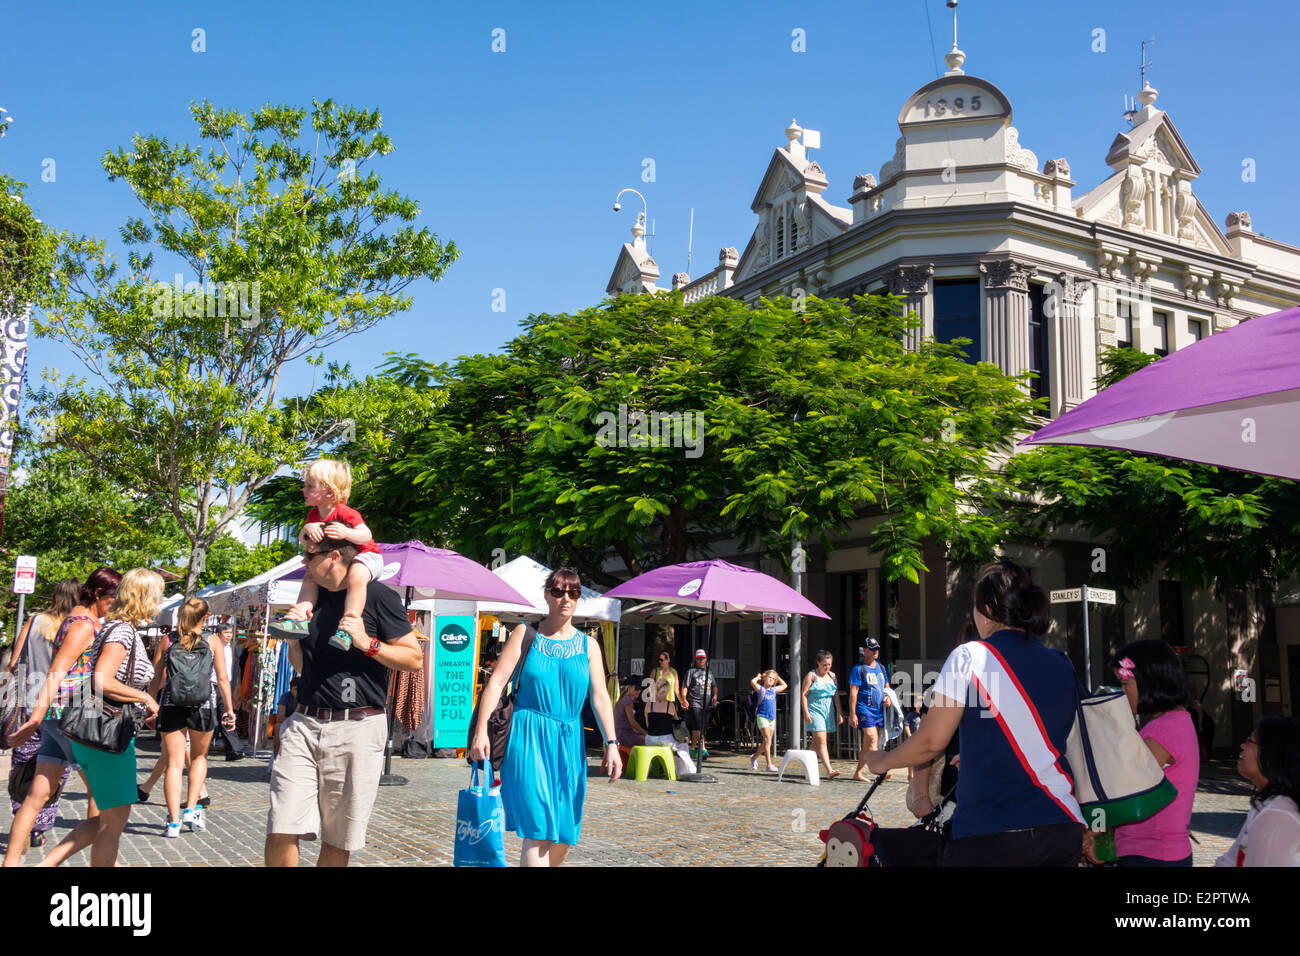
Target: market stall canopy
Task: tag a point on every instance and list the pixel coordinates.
(1231, 400)
(166, 616)
(278, 585)
(528, 577)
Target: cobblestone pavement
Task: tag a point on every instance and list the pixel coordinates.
(746, 819)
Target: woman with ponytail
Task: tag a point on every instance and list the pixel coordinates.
(1013, 700)
(189, 671)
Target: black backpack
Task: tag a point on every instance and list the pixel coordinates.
(189, 673)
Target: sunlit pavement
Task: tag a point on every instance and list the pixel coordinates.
(746, 818)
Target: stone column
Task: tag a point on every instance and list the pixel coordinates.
(1069, 324)
(913, 284)
(1006, 291)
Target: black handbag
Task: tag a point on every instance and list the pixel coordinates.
(498, 724)
(93, 721)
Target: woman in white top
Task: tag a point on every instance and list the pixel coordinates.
(1270, 759)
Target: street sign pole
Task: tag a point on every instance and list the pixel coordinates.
(18, 625)
(1087, 644)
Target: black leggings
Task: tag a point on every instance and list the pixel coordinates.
(1058, 845)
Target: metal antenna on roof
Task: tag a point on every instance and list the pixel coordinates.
(952, 5)
(1142, 69)
(690, 242)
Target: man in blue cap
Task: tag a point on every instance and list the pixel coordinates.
(867, 684)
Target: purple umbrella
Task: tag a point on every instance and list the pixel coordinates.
(437, 572)
(719, 586)
(1231, 400)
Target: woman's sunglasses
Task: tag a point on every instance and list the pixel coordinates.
(574, 592)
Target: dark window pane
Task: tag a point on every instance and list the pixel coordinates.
(1039, 387)
(1124, 322)
(1161, 322)
(957, 313)
(1196, 328)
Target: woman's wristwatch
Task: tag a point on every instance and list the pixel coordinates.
(611, 743)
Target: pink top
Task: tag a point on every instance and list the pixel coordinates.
(1164, 835)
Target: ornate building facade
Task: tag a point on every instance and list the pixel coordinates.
(982, 241)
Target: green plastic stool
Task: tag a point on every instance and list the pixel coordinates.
(639, 763)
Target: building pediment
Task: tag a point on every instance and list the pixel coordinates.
(1154, 140)
(785, 174)
(954, 99)
(634, 271)
(1126, 200)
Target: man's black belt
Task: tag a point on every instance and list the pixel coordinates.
(352, 713)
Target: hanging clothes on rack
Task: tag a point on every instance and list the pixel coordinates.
(409, 693)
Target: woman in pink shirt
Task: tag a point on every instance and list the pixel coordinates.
(1153, 679)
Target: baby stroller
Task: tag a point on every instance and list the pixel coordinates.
(857, 841)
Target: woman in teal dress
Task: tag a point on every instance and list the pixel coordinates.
(819, 695)
(544, 775)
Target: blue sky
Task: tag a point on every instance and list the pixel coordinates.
(517, 156)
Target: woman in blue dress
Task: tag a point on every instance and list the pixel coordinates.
(544, 775)
(819, 694)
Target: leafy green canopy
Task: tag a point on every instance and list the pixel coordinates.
(26, 250)
(810, 418)
(67, 514)
(286, 249)
(1207, 526)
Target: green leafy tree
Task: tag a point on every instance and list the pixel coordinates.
(290, 245)
(1210, 527)
(26, 260)
(229, 559)
(806, 419)
(73, 519)
(388, 411)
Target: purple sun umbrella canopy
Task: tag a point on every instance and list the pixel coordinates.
(440, 573)
(717, 586)
(1232, 400)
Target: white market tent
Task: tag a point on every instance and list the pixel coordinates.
(171, 608)
(269, 587)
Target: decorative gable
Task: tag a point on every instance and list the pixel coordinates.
(634, 272)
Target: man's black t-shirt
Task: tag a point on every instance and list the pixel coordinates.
(341, 679)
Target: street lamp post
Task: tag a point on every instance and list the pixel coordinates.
(643, 217)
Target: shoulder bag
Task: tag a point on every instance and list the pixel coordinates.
(1116, 777)
(498, 724)
(93, 721)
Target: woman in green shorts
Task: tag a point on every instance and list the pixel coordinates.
(121, 676)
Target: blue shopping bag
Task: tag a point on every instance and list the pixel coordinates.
(480, 822)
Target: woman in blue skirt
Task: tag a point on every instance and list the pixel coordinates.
(544, 775)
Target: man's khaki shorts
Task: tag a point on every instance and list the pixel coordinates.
(326, 778)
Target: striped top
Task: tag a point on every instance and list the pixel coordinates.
(124, 633)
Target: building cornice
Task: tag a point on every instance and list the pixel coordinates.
(1022, 219)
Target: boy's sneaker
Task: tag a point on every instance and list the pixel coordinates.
(193, 819)
(172, 831)
(342, 640)
(288, 630)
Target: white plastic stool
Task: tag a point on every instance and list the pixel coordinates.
(809, 761)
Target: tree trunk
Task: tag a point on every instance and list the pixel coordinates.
(198, 562)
